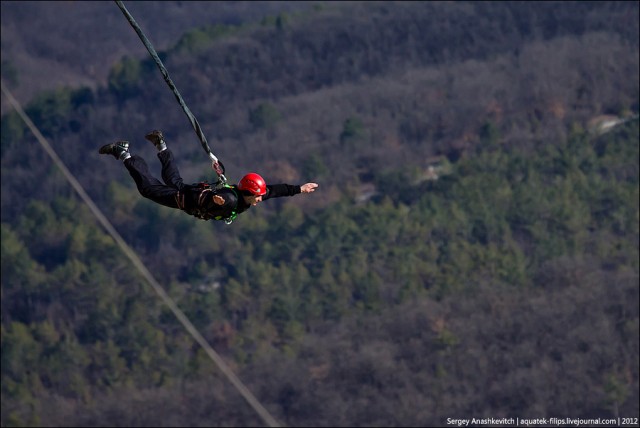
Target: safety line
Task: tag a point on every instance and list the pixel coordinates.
(217, 166)
(264, 414)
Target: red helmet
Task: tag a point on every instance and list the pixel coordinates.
(254, 184)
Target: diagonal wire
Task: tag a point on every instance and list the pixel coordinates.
(264, 414)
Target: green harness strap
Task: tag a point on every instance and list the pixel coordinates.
(234, 214)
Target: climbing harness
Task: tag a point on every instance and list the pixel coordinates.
(216, 164)
(234, 213)
(200, 210)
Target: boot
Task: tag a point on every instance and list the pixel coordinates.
(119, 150)
(157, 139)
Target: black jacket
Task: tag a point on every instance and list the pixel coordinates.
(197, 200)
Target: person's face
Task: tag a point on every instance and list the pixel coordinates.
(253, 200)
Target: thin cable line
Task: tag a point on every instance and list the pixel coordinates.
(264, 414)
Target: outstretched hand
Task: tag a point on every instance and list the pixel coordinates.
(308, 188)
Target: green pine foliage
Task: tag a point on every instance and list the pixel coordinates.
(199, 39)
(79, 320)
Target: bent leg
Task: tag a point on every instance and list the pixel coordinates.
(170, 173)
(149, 186)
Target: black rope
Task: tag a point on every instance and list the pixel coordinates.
(216, 164)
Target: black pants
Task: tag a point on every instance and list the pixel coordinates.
(152, 188)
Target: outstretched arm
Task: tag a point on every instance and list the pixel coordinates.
(279, 190)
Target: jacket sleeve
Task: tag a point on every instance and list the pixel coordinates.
(280, 190)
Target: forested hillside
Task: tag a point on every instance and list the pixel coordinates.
(46, 44)
(472, 250)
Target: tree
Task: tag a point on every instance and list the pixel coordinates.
(352, 131)
(264, 116)
(124, 78)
